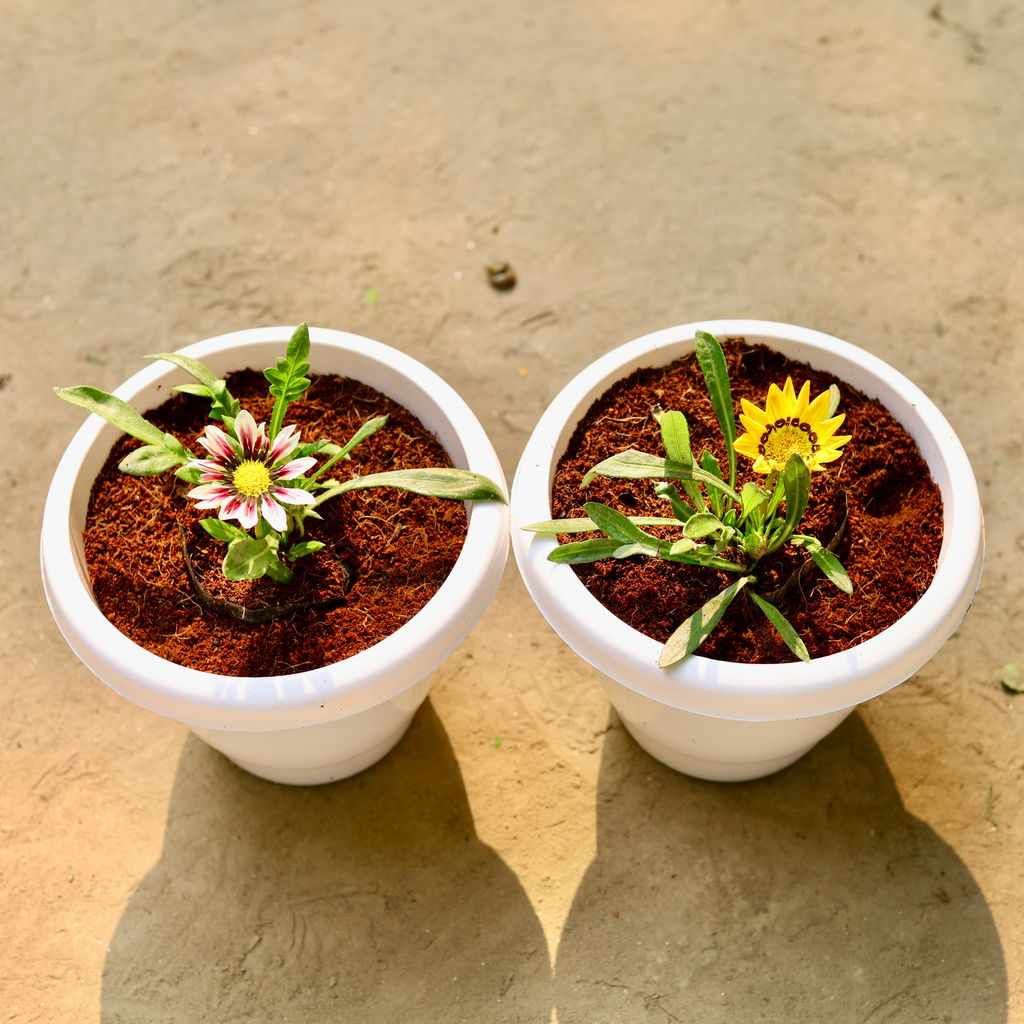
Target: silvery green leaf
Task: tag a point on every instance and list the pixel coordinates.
(457, 484)
(113, 410)
(683, 546)
(222, 530)
(782, 626)
(194, 367)
(696, 629)
(796, 482)
(149, 460)
(248, 558)
(303, 548)
(635, 465)
(581, 551)
(585, 525)
(834, 398)
(701, 525)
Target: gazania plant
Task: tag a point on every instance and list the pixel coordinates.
(715, 522)
(261, 479)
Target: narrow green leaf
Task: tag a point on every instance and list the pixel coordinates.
(113, 410)
(634, 465)
(222, 530)
(198, 390)
(683, 512)
(303, 548)
(288, 380)
(825, 561)
(194, 367)
(617, 526)
(149, 460)
(701, 525)
(248, 558)
(835, 396)
(782, 626)
(696, 629)
(716, 378)
(585, 525)
(796, 482)
(752, 498)
(581, 551)
(457, 484)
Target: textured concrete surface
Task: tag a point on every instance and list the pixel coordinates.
(176, 170)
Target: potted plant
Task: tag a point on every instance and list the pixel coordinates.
(262, 490)
(723, 718)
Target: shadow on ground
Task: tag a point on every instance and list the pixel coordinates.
(809, 896)
(367, 900)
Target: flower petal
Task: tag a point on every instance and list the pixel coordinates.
(803, 399)
(212, 491)
(273, 513)
(297, 467)
(246, 432)
(292, 495)
(217, 444)
(284, 444)
(750, 410)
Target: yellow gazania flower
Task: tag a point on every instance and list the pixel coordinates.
(790, 423)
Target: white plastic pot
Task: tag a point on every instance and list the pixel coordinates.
(307, 727)
(720, 720)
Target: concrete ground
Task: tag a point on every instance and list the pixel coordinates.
(175, 170)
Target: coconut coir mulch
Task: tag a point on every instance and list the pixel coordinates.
(402, 546)
(889, 546)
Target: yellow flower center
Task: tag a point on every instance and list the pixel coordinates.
(251, 478)
(786, 436)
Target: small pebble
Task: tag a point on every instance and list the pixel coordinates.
(501, 277)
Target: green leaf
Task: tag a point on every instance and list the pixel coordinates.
(634, 465)
(716, 378)
(194, 367)
(279, 572)
(197, 390)
(303, 548)
(796, 482)
(149, 460)
(618, 527)
(752, 497)
(683, 546)
(113, 410)
(834, 398)
(222, 530)
(457, 484)
(675, 436)
(825, 561)
(701, 525)
(585, 525)
(248, 558)
(696, 629)
(190, 474)
(368, 429)
(287, 380)
(782, 626)
(580, 551)
(680, 508)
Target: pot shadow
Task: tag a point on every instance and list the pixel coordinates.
(812, 895)
(370, 899)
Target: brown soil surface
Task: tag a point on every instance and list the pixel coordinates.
(889, 545)
(400, 546)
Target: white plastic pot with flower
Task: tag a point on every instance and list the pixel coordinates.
(305, 727)
(716, 719)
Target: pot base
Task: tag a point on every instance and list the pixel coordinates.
(318, 754)
(716, 749)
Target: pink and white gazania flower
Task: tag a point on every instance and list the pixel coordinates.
(247, 486)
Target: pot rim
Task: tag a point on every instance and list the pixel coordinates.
(735, 690)
(367, 678)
